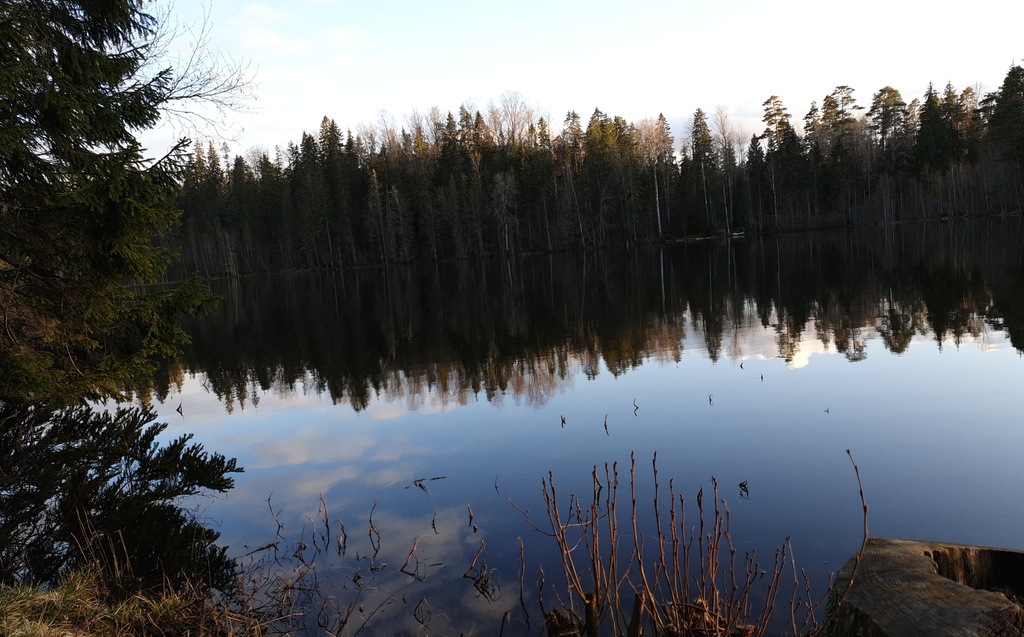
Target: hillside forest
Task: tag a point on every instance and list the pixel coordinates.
(502, 182)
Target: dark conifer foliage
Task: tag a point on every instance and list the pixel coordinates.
(472, 183)
(80, 205)
(1006, 124)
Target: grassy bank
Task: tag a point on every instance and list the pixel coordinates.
(81, 606)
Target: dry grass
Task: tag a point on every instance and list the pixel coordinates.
(81, 606)
(105, 598)
(685, 578)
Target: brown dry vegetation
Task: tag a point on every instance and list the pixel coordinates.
(81, 606)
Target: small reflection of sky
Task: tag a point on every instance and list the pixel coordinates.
(937, 435)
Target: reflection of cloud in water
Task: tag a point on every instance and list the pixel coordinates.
(808, 347)
(287, 488)
(298, 487)
(386, 412)
(384, 476)
(308, 445)
(390, 408)
(297, 482)
(395, 450)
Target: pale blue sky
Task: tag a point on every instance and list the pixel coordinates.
(352, 60)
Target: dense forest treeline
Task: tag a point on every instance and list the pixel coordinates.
(501, 182)
(523, 327)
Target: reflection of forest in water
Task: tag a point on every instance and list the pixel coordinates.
(524, 326)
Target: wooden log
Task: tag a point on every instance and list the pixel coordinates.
(929, 589)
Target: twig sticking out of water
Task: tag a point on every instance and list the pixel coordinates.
(422, 612)
(374, 537)
(483, 578)
(838, 601)
(522, 580)
(342, 539)
(415, 572)
(418, 482)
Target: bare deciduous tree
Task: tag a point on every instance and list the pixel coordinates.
(510, 119)
(655, 147)
(728, 139)
(200, 86)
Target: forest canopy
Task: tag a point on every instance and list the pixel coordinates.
(472, 183)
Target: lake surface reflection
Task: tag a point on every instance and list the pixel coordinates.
(758, 360)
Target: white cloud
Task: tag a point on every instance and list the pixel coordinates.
(270, 40)
(345, 36)
(345, 59)
(265, 13)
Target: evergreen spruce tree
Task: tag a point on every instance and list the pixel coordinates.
(935, 145)
(1006, 125)
(80, 205)
(705, 163)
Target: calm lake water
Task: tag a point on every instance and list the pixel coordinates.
(759, 360)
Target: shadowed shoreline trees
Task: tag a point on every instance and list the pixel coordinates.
(473, 183)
